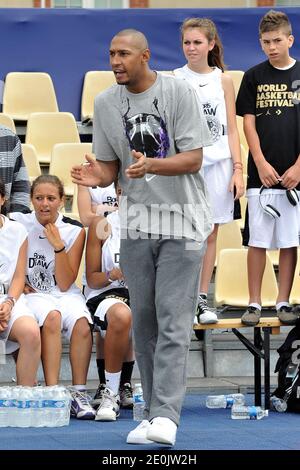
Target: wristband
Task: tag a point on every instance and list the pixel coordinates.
(108, 278)
(59, 251)
(10, 299)
(238, 165)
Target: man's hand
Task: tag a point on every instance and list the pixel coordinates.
(291, 178)
(87, 174)
(267, 174)
(140, 167)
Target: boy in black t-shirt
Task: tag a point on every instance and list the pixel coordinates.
(269, 102)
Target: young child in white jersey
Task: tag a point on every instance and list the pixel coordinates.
(93, 202)
(222, 167)
(18, 327)
(55, 246)
(108, 301)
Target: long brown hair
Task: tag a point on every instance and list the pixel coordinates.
(216, 55)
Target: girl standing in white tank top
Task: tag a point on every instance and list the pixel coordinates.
(222, 168)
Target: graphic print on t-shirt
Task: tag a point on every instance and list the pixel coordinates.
(147, 133)
(214, 125)
(40, 276)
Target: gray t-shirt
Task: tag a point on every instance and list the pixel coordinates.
(160, 122)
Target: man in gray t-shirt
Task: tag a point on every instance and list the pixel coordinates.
(148, 130)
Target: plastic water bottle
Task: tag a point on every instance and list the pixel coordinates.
(22, 410)
(278, 404)
(248, 412)
(36, 405)
(61, 406)
(4, 403)
(138, 403)
(225, 401)
(56, 402)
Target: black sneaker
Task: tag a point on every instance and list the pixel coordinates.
(287, 315)
(98, 396)
(251, 317)
(126, 398)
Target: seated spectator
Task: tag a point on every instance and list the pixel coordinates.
(108, 301)
(55, 246)
(13, 172)
(91, 203)
(18, 328)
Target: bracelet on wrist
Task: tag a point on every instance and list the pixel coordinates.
(11, 301)
(108, 276)
(59, 251)
(237, 165)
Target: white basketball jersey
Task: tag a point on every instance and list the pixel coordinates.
(210, 93)
(104, 195)
(110, 254)
(12, 236)
(41, 257)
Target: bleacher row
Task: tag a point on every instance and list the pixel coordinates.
(30, 97)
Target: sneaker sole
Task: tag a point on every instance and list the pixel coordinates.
(84, 417)
(248, 323)
(288, 322)
(160, 439)
(106, 418)
(140, 440)
(208, 322)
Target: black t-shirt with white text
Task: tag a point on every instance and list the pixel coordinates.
(273, 97)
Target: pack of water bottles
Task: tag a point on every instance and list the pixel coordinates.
(34, 406)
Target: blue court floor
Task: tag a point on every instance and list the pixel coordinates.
(200, 429)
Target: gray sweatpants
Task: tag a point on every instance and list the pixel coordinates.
(162, 277)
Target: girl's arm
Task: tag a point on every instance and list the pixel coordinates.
(16, 286)
(237, 181)
(87, 211)
(99, 230)
(18, 281)
(66, 264)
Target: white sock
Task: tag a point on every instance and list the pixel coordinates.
(80, 388)
(282, 304)
(113, 381)
(253, 304)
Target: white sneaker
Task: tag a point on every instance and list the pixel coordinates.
(205, 314)
(163, 431)
(109, 408)
(208, 317)
(138, 434)
(196, 320)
